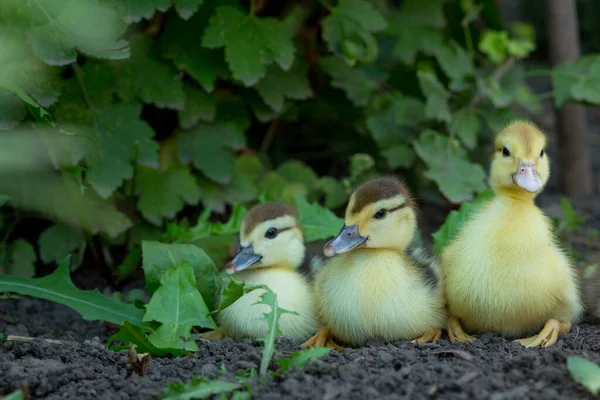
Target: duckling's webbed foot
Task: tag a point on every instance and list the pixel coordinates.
(430, 336)
(321, 339)
(456, 333)
(548, 336)
(217, 334)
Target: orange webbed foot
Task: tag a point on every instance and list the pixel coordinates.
(548, 336)
(456, 333)
(430, 336)
(322, 338)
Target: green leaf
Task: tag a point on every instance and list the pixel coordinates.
(133, 334)
(360, 163)
(22, 259)
(494, 45)
(12, 110)
(585, 372)
(456, 220)
(334, 190)
(158, 257)
(399, 156)
(197, 388)
(16, 395)
(178, 306)
(211, 149)
(129, 265)
(136, 10)
(58, 242)
(317, 222)
(164, 193)
(300, 358)
(355, 82)
(295, 171)
(437, 96)
(455, 61)
(187, 8)
(456, 177)
(199, 105)
(465, 124)
(57, 287)
(577, 80)
(146, 76)
(278, 85)
(204, 228)
(520, 48)
(251, 43)
(247, 172)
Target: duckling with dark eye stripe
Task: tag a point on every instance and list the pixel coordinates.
(374, 286)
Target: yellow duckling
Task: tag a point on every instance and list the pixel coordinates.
(375, 287)
(272, 249)
(504, 272)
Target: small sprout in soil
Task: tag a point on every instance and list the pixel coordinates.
(139, 362)
(198, 388)
(585, 372)
(300, 358)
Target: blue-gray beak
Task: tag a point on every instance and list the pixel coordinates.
(346, 240)
(245, 258)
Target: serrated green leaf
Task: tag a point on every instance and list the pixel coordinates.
(158, 257)
(295, 171)
(334, 190)
(57, 287)
(577, 80)
(199, 105)
(136, 10)
(295, 18)
(204, 228)
(456, 177)
(251, 43)
(455, 61)
(133, 334)
(12, 110)
(520, 48)
(456, 220)
(187, 8)
(355, 82)
(585, 373)
(429, 13)
(465, 125)
(317, 222)
(247, 171)
(300, 358)
(178, 306)
(278, 85)
(16, 395)
(22, 259)
(399, 156)
(197, 388)
(211, 148)
(146, 76)
(494, 45)
(233, 110)
(211, 194)
(59, 241)
(164, 193)
(437, 96)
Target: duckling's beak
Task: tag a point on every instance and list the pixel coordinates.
(527, 177)
(245, 258)
(346, 240)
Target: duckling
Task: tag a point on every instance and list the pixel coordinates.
(504, 272)
(373, 286)
(272, 250)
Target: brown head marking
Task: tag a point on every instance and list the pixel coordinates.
(265, 212)
(380, 189)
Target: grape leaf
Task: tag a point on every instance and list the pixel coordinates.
(57, 287)
(334, 190)
(187, 8)
(585, 373)
(136, 10)
(493, 44)
(199, 105)
(146, 76)
(129, 333)
(19, 258)
(178, 306)
(164, 193)
(278, 85)
(211, 149)
(59, 241)
(247, 172)
(299, 358)
(197, 388)
(355, 82)
(317, 222)
(456, 220)
(12, 110)
(158, 257)
(399, 156)
(465, 124)
(251, 43)
(456, 177)
(295, 171)
(455, 61)
(437, 96)
(577, 80)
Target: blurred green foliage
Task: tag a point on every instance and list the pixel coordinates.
(171, 117)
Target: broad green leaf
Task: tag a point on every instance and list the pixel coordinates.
(355, 82)
(437, 96)
(159, 257)
(164, 193)
(520, 48)
(22, 259)
(428, 13)
(199, 106)
(456, 220)
(360, 163)
(399, 156)
(317, 222)
(211, 194)
(300, 358)
(294, 19)
(456, 177)
(251, 43)
(278, 85)
(493, 44)
(12, 110)
(455, 61)
(465, 125)
(334, 190)
(295, 171)
(4, 199)
(136, 10)
(57, 287)
(133, 334)
(233, 110)
(129, 265)
(146, 76)
(187, 8)
(585, 373)
(72, 25)
(247, 172)
(16, 395)
(59, 241)
(178, 306)
(211, 148)
(197, 388)
(577, 80)
(204, 228)
(263, 112)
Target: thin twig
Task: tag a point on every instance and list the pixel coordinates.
(269, 137)
(27, 339)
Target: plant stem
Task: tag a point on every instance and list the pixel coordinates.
(468, 39)
(27, 339)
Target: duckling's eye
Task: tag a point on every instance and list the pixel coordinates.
(542, 153)
(505, 152)
(380, 214)
(271, 233)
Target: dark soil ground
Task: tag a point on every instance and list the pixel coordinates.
(491, 368)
